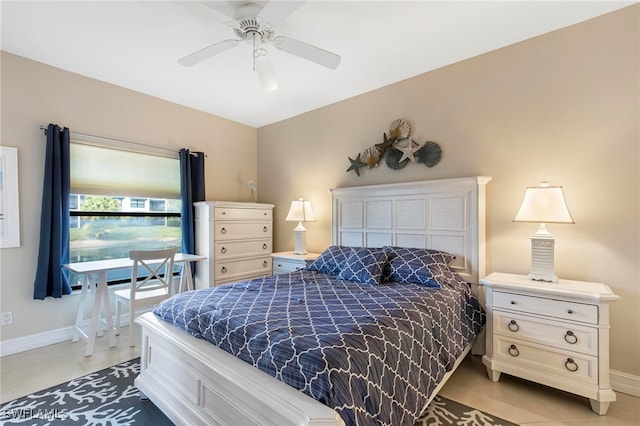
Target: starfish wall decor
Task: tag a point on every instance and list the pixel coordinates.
(397, 150)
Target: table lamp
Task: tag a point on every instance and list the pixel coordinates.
(300, 211)
(543, 204)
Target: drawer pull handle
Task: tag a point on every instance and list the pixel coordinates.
(570, 338)
(264, 246)
(513, 351)
(223, 231)
(570, 311)
(513, 326)
(224, 269)
(223, 250)
(513, 302)
(265, 229)
(265, 263)
(224, 212)
(571, 365)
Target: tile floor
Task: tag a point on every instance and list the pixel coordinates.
(513, 399)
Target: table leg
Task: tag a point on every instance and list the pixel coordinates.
(95, 315)
(111, 332)
(101, 297)
(86, 282)
(186, 281)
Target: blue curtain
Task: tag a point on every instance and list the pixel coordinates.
(191, 190)
(51, 279)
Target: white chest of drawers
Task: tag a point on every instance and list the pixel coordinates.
(556, 334)
(288, 261)
(236, 238)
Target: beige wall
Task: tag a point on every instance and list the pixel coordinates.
(35, 94)
(563, 107)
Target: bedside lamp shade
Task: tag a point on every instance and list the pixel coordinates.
(300, 211)
(543, 204)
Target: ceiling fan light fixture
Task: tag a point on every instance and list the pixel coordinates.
(265, 74)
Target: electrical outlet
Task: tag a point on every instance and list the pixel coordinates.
(6, 318)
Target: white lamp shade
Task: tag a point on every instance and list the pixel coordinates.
(300, 211)
(544, 204)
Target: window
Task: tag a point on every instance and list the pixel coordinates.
(121, 200)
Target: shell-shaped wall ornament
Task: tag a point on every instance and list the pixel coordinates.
(399, 129)
(371, 157)
(393, 160)
(429, 154)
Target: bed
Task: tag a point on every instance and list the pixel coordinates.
(195, 382)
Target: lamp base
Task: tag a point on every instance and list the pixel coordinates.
(300, 240)
(542, 256)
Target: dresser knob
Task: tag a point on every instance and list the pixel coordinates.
(570, 311)
(513, 351)
(223, 231)
(223, 250)
(224, 269)
(224, 212)
(265, 229)
(265, 263)
(513, 326)
(571, 338)
(513, 302)
(264, 246)
(571, 365)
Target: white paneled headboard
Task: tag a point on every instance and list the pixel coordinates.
(445, 214)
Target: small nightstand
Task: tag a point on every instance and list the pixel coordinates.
(287, 261)
(556, 334)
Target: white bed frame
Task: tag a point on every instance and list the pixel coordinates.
(194, 382)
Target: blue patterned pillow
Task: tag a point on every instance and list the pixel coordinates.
(364, 265)
(419, 266)
(331, 260)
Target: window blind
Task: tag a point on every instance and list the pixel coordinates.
(107, 171)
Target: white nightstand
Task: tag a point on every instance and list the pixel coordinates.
(287, 261)
(556, 334)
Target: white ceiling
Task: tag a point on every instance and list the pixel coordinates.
(136, 45)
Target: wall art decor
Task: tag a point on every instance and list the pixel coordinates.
(9, 213)
(397, 150)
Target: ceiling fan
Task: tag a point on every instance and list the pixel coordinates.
(253, 24)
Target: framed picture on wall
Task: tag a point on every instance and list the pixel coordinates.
(9, 209)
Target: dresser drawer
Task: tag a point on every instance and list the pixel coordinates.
(549, 307)
(237, 269)
(222, 213)
(533, 357)
(244, 248)
(242, 230)
(567, 336)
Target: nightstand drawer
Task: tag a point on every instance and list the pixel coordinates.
(285, 265)
(548, 307)
(532, 357)
(567, 336)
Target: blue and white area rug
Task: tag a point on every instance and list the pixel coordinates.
(109, 397)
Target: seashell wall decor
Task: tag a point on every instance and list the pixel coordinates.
(397, 150)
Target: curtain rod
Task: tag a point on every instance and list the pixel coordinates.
(102, 141)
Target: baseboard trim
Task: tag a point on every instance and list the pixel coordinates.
(39, 340)
(625, 383)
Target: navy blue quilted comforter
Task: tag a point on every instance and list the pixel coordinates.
(374, 353)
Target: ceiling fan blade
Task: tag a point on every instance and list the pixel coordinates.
(275, 11)
(207, 52)
(265, 74)
(308, 52)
